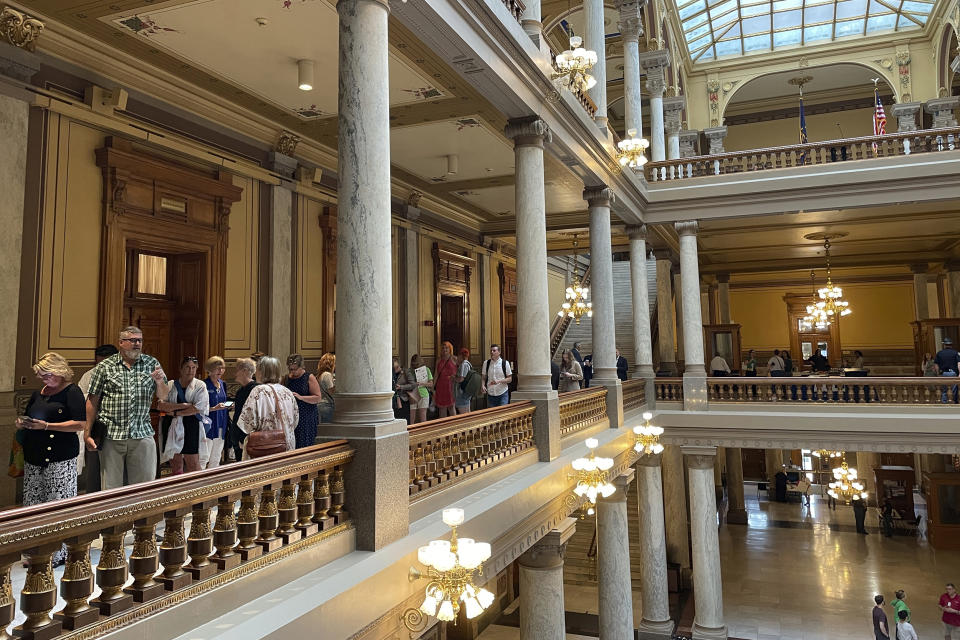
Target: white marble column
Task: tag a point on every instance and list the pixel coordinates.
(723, 298)
(675, 503)
(665, 318)
(694, 374)
(672, 121)
(530, 21)
(921, 303)
(708, 623)
(736, 508)
(678, 316)
(654, 64)
(364, 316)
(281, 258)
(542, 612)
(631, 27)
(533, 306)
(642, 342)
(595, 40)
(866, 462)
(656, 623)
(953, 287)
(613, 563)
(603, 325)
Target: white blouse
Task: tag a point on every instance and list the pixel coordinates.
(260, 413)
(196, 394)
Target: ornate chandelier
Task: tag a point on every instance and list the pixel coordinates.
(450, 567)
(572, 67)
(846, 486)
(827, 453)
(592, 478)
(648, 437)
(831, 305)
(814, 317)
(576, 304)
(630, 152)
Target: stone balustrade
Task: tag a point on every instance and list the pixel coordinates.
(634, 394)
(669, 389)
(447, 450)
(516, 8)
(287, 502)
(832, 390)
(582, 409)
(813, 153)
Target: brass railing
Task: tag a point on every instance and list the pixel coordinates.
(669, 389)
(813, 153)
(287, 502)
(582, 409)
(447, 450)
(836, 391)
(634, 394)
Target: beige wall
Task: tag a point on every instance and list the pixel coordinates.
(243, 266)
(820, 127)
(309, 246)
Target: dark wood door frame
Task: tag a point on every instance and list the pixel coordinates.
(797, 309)
(451, 278)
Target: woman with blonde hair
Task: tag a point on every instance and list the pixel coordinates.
(243, 376)
(570, 372)
(445, 372)
(326, 370)
(269, 407)
(417, 392)
(48, 434)
(216, 429)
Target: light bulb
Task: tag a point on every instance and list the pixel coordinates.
(607, 490)
(305, 75)
(445, 561)
(485, 598)
(592, 443)
(429, 606)
(473, 608)
(657, 449)
(446, 611)
(590, 511)
(647, 415)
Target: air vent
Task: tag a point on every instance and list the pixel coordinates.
(310, 113)
(463, 123)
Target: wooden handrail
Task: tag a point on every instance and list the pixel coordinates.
(669, 389)
(634, 394)
(906, 391)
(582, 409)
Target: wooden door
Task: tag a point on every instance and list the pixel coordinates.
(754, 463)
(189, 284)
(451, 321)
(509, 346)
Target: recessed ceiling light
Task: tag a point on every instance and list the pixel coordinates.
(305, 74)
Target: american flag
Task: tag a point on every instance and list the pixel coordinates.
(879, 119)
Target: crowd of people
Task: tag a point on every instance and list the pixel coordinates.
(902, 629)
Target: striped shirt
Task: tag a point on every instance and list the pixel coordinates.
(126, 394)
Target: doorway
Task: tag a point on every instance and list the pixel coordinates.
(451, 320)
(805, 340)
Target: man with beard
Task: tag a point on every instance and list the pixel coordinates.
(122, 389)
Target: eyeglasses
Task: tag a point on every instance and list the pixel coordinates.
(187, 359)
(133, 340)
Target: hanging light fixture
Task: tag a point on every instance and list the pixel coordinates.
(576, 304)
(826, 454)
(648, 436)
(630, 150)
(305, 75)
(450, 568)
(572, 67)
(846, 486)
(815, 317)
(831, 306)
(592, 478)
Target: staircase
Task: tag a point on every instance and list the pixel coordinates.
(622, 312)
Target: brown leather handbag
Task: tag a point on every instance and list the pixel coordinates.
(267, 443)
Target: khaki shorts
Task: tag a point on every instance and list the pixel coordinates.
(951, 631)
(424, 402)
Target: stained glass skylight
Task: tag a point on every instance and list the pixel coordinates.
(720, 28)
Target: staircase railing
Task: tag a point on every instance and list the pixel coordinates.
(562, 323)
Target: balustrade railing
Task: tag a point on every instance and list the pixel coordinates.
(447, 450)
(813, 153)
(835, 391)
(286, 502)
(634, 394)
(669, 389)
(516, 8)
(582, 409)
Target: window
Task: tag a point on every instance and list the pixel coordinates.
(151, 275)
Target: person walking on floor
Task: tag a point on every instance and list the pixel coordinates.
(881, 630)
(859, 515)
(899, 605)
(622, 367)
(905, 630)
(950, 606)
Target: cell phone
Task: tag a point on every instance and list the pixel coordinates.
(228, 404)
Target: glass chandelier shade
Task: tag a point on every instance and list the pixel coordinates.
(846, 486)
(451, 568)
(630, 150)
(573, 65)
(831, 306)
(648, 437)
(827, 453)
(592, 478)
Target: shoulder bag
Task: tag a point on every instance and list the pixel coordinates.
(266, 443)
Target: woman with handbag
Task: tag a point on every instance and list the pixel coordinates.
(270, 414)
(418, 393)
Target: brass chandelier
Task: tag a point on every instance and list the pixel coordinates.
(825, 454)
(648, 436)
(592, 478)
(831, 306)
(630, 150)
(573, 65)
(846, 486)
(576, 304)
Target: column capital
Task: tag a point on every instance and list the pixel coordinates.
(528, 131)
(688, 143)
(547, 552)
(599, 196)
(630, 23)
(650, 459)
(906, 115)
(942, 111)
(699, 457)
(686, 228)
(664, 254)
(636, 231)
(654, 63)
(715, 136)
(673, 113)
(921, 268)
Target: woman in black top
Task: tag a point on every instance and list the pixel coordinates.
(48, 433)
(246, 369)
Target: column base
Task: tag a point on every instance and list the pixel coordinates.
(709, 633)
(364, 408)
(373, 497)
(546, 421)
(736, 516)
(655, 630)
(695, 391)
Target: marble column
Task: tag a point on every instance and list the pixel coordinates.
(774, 462)
(921, 303)
(603, 325)
(595, 40)
(530, 21)
(694, 373)
(708, 623)
(613, 563)
(867, 461)
(736, 508)
(654, 64)
(665, 323)
(678, 316)
(672, 121)
(364, 317)
(906, 115)
(631, 26)
(675, 503)
(656, 623)
(953, 287)
(542, 612)
(723, 298)
(533, 306)
(642, 341)
(14, 132)
(282, 253)
(411, 286)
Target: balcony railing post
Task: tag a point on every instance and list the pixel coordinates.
(225, 534)
(287, 512)
(321, 501)
(76, 585)
(305, 522)
(112, 572)
(8, 605)
(39, 595)
(269, 519)
(248, 525)
(173, 551)
(144, 560)
(338, 495)
(200, 542)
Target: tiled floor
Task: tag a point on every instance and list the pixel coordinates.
(803, 573)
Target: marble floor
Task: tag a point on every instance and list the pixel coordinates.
(800, 572)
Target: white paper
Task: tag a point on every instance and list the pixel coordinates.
(422, 373)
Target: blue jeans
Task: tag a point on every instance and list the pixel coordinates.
(943, 396)
(498, 401)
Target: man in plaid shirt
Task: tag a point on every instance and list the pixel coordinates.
(121, 391)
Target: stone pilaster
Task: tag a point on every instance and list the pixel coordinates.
(694, 383)
(688, 143)
(631, 27)
(656, 623)
(364, 316)
(708, 622)
(613, 563)
(542, 612)
(595, 40)
(411, 285)
(665, 323)
(906, 115)
(654, 64)
(281, 257)
(642, 341)
(736, 509)
(921, 303)
(599, 200)
(953, 287)
(530, 21)
(678, 315)
(867, 461)
(715, 136)
(533, 306)
(723, 298)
